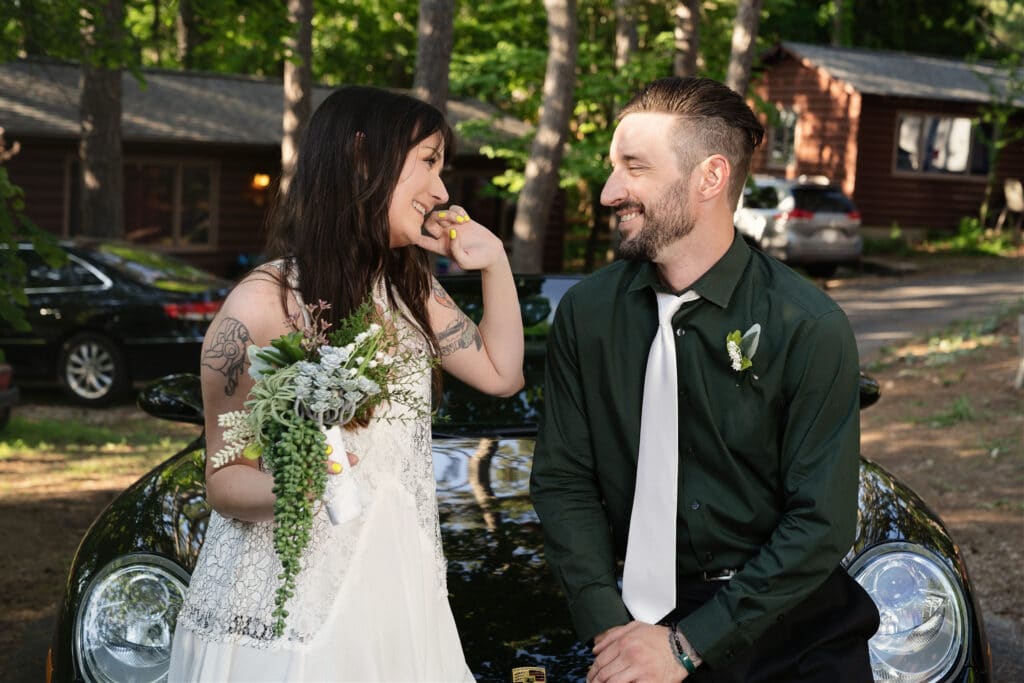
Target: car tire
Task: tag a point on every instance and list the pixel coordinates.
(92, 370)
(821, 269)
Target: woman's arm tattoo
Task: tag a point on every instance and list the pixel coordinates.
(461, 333)
(226, 354)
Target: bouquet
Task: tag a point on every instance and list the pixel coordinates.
(307, 382)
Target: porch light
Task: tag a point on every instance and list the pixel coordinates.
(260, 181)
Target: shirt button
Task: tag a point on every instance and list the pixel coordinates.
(695, 505)
(709, 556)
(680, 332)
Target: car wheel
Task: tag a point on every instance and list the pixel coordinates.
(92, 369)
(821, 269)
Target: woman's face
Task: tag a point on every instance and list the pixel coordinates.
(418, 191)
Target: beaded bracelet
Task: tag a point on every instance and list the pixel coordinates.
(679, 652)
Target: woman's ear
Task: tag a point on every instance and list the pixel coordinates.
(715, 172)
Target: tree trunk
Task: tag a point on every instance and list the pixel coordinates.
(99, 151)
(842, 21)
(541, 178)
(744, 34)
(189, 35)
(434, 51)
(298, 87)
(626, 39)
(687, 19)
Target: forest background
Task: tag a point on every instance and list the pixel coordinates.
(564, 66)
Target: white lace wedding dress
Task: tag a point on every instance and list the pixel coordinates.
(371, 600)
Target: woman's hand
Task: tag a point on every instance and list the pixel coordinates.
(451, 232)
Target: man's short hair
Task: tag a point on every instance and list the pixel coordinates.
(712, 119)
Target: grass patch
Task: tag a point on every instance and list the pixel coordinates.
(960, 411)
(972, 239)
(87, 447)
(954, 342)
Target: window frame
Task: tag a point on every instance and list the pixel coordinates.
(950, 176)
(790, 136)
(178, 166)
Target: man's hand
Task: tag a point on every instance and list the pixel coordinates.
(635, 652)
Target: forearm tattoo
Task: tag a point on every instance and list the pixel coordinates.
(226, 354)
(461, 333)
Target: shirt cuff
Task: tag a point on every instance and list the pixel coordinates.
(713, 633)
(597, 609)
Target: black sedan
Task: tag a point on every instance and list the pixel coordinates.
(111, 314)
(131, 570)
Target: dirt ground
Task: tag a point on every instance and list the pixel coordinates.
(949, 423)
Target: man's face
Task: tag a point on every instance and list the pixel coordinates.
(646, 187)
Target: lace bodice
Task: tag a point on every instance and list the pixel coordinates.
(231, 595)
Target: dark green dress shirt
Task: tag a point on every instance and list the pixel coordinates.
(768, 456)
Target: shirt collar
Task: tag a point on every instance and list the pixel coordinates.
(716, 285)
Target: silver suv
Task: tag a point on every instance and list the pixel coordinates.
(805, 222)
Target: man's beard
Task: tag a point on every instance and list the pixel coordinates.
(664, 222)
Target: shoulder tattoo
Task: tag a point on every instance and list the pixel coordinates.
(226, 354)
(441, 296)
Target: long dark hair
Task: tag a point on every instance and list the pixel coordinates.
(332, 225)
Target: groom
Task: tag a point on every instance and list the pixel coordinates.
(718, 460)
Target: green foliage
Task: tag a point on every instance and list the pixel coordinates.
(296, 456)
(973, 238)
(42, 435)
(15, 226)
(893, 244)
(960, 411)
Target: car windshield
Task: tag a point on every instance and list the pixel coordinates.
(154, 269)
(822, 200)
(465, 410)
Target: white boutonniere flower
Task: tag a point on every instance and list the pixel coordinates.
(742, 347)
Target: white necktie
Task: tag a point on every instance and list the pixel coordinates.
(649, 576)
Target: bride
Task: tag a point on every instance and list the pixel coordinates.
(370, 600)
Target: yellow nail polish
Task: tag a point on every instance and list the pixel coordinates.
(336, 467)
(329, 449)
(442, 214)
(463, 219)
(452, 234)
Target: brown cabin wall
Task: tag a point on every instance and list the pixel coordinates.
(850, 138)
(889, 197)
(826, 123)
(42, 170)
(39, 170)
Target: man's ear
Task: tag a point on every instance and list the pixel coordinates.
(714, 179)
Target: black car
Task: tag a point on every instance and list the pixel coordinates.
(111, 314)
(129, 575)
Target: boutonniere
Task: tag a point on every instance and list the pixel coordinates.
(742, 348)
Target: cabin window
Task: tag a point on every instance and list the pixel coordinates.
(167, 203)
(782, 140)
(941, 145)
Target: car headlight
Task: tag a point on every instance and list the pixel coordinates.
(923, 618)
(126, 620)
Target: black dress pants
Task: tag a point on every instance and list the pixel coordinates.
(824, 639)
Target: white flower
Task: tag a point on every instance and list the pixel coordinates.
(735, 355)
(741, 348)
